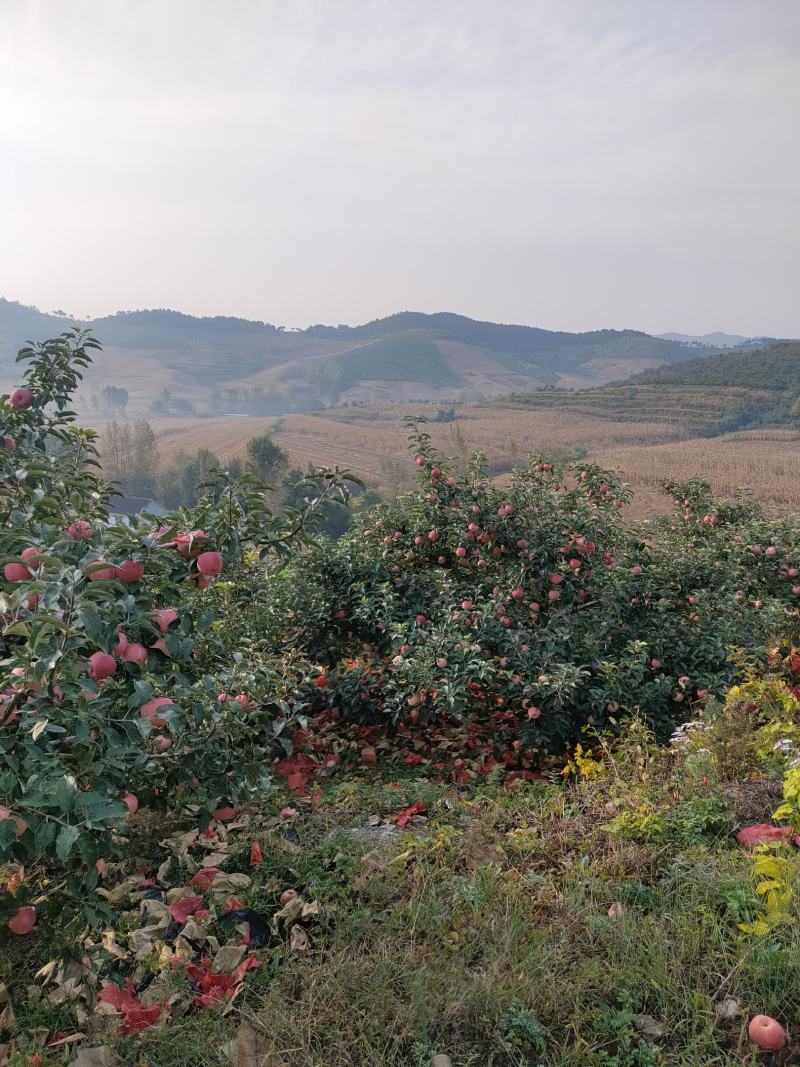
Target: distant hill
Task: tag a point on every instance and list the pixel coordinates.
(706, 340)
(208, 365)
(710, 395)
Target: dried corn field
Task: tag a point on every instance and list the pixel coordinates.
(372, 442)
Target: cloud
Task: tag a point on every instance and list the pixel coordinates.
(569, 165)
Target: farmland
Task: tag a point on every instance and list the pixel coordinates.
(371, 441)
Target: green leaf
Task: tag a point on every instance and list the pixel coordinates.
(67, 836)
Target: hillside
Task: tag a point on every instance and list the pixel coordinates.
(710, 395)
(217, 364)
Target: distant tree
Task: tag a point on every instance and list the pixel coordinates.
(178, 486)
(266, 459)
(114, 400)
(130, 457)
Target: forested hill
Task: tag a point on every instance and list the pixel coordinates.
(222, 363)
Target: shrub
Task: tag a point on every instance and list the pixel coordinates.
(538, 601)
(126, 685)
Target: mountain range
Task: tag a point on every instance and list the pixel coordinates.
(220, 364)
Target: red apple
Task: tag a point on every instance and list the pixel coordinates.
(101, 665)
(99, 571)
(164, 617)
(130, 570)
(80, 530)
(210, 564)
(767, 1033)
(23, 920)
(134, 653)
(131, 802)
(22, 397)
(16, 572)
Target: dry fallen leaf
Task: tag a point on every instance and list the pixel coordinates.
(250, 1048)
(649, 1026)
(95, 1056)
(298, 939)
(7, 1019)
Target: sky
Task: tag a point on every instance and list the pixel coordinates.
(569, 164)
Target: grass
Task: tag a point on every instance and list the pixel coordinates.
(483, 930)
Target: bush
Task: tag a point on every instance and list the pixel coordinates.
(126, 684)
(539, 602)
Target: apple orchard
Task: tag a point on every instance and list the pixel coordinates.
(186, 667)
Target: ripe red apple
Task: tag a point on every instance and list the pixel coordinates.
(210, 564)
(30, 553)
(419, 540)
(134, 653)
(150, 709)
(772, 551)
(441, 662)
(461, 551)
(16, 572)
(637, 570)
(21, 397)
(554, 595)
(767, 1033)
(80, 530)
(420, 461)
(655, 664)
(433, 535)
(99, 573)
(164, 617)
(436, 473)
(534, 713)
(101, 665)
(131, 802)
(466, 605)
(130, 570)
(518, 593)
(23, 920)
(421, 620)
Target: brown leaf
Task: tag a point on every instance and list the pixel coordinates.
(250, 1048)
(310, 910)
(7, 1019)
(292, 910)
(228, 959)
(95, 1056)
(298, 939)
(649, 1026)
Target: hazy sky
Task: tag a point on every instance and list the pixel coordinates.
(572, 164)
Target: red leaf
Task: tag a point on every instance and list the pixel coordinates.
(183, 908)
(142, 1018)
(226, 814)
(256, 855)
(233, 904)
(204, 878)
(761, 833)
(120, 997)
(415, 809)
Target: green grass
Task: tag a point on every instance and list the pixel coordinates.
(484, 931)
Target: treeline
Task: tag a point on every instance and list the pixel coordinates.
(132, 460)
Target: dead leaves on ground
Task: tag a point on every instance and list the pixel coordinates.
(184, 939)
